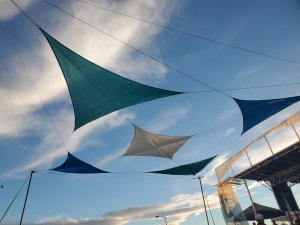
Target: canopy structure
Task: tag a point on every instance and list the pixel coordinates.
(278, 168)
(188, 169)
(75, 165)
(145, 143)
(95, 91)
(222, 169)
(256, 111)
(267, 212)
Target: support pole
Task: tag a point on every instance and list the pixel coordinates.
(203, 200)
(248, 158)
(295, 132)
(210, 211)
(165, 220)
(269, 144)
(31, 173)
(250, 196)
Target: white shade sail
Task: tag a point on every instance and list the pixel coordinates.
(145, 143)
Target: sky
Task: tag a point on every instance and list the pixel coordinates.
(36, 111)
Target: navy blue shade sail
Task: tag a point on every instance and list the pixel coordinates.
(256, 111)
(75, 165)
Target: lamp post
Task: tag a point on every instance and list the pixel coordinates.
(164, 218)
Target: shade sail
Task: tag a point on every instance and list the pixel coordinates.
(95, 91)
(75, 165)
(188, 169)
(256, 111)
(145, 143)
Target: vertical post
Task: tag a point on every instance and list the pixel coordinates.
(269, 144)
(295, 131)
(203, 200)
(210, 211)
(26, 197)
(248, 158)
(288, 213)
(165, 220)
(250, 196)
(232, 171)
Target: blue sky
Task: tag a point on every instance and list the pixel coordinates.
(27, 134)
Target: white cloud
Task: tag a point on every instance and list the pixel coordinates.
(168, 118)
(229, 131)
(10, 12)
(250, 71)
(44, 84)
(210, 175)
(51, 147)
(177, 210)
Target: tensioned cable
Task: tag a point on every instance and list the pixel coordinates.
(36, 91)
(203, 132)
(15, 118)
(161, 62)
(124, 44)
(117, 175)
(121, 42)
(213, 89)
(249, 88)
(134, 48)
(37, 25)
(63, 140)
(191, 34)
(14, 198)
(209, 210)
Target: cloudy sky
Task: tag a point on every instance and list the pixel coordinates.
(37, 120)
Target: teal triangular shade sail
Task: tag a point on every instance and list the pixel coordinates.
(75, 165)
(188, 169)
(95, 91)
(256, 111)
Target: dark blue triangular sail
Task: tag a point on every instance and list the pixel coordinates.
(256, 111)
(75, 165)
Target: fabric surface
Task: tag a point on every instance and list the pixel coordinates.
(145, 143)
(75, 165)
(187, 169)
(256, 111)
(95, 91)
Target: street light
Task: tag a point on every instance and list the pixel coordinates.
(164, 218)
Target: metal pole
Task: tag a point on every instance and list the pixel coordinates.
(250, 196)
(165, 220)
(26, 197)
(203, 200)
(269, 144)
(295, 131)
(232, 171)
(248, 158)
(210, 211)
